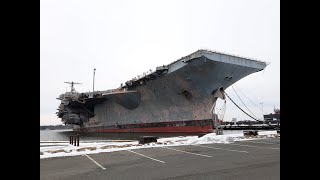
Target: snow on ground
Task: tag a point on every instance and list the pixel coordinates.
(267, 132)
(59, 149)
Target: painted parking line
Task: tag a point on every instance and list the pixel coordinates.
(269, 140)
(146, 156)
(253, 146)
(259, 142)
(95, 162)
(222, 148)
(272, 139)
(187, 152)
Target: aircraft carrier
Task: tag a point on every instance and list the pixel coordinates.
(176, 98)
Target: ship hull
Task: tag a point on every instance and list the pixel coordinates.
(179, 100)
(162, 100)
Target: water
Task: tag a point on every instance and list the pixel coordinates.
(63, 135)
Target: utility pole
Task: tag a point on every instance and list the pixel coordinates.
(94, 72)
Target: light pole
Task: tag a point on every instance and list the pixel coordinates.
(94, 72)
(262, 109)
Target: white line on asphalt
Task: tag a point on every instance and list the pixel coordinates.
(222, 149)
(253, 146)
(257, 142)
(95, 162)
(187, 152)
(272, 139)
(146, 156)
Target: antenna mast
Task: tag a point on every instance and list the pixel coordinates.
(72, 84)
(94, 72)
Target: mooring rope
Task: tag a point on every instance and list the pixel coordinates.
(243, 103)
(240, 108)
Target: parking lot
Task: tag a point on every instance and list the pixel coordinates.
(255, 159)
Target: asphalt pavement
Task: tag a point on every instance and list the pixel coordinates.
(255, 159)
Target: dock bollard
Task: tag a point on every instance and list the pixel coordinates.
(147, 139)
(71, 139)
(75, 140)
(78, 140)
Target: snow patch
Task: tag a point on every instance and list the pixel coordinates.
(65, 149)
(267, 133)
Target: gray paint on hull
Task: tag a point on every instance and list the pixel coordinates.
(129, 100)
(160, 98)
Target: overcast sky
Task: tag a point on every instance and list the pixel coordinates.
(124, 38)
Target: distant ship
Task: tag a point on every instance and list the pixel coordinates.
(175, 98)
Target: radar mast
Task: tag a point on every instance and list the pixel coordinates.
(72, 86)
